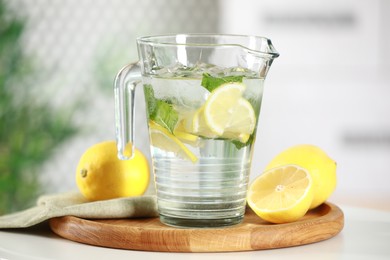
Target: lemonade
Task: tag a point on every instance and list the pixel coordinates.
(202, 125)
(203, 95)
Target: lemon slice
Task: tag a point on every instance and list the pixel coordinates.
(281, 194)
(160, 137)
(242, 137)
(195, 124)
(199, 125)
(226, 111)
(184, 135)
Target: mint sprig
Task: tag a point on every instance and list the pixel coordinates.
(165, 115)
(160, 111)
(211, 83)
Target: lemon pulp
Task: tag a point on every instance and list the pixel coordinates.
(226, 112)
(320, 166)
(282, 194)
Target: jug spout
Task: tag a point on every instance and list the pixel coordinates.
(266, 48)
(259, 54)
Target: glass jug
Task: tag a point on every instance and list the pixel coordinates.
(203, 96)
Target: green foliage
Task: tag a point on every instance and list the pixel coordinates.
(29, 131)
(211, 83)
(160, 111)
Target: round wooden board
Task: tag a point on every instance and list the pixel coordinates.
(148, 234)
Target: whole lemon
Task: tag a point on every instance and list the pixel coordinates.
(100, 175)
(320, 166)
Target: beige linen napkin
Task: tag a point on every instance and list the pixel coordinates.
(74, 204)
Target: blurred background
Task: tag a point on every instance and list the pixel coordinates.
(330, 86)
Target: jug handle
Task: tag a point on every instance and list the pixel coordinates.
(124, 93)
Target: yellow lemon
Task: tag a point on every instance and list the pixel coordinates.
(100, 175)
(281, 194)
(185, 136)
(227, 112)
(320, 166)
(199, 125)
(161, 138)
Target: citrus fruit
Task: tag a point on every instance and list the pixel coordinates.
(186, 137)
(242, 137)
(199, 125)
(226, 111)
(161, 138)
(100, 175)
(281, 194)
(183, 135)
(320, 166)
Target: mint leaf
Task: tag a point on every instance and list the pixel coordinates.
(165, 115)
(160, 111)
(211, 83)
(150, 100)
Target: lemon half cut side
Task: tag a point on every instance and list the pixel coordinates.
(321, 167)
(282, 194)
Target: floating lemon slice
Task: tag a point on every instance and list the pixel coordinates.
(242, 137)
(282, 194)
(228, 114)
(160, 137)
(184, 135)
(199, 125)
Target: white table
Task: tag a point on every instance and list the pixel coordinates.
(366, 235)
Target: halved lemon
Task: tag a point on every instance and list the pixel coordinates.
(321, 167)
(226, 111)
(161, 138)
(281, 194)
